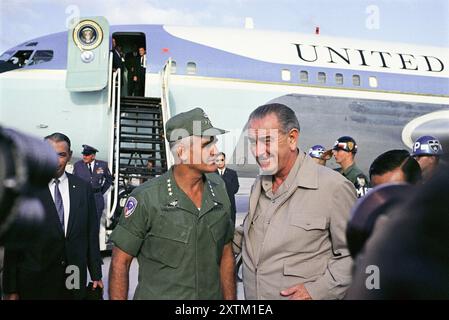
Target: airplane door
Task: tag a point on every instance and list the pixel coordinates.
(88, 55)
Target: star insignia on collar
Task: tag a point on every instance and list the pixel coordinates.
(173, 203)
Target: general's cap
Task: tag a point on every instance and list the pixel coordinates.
(87, 150)
(191, 123)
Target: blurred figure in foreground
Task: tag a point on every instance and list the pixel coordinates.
(408, 257)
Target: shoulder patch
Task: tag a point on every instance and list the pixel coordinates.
(130, 206)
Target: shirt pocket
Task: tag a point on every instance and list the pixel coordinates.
(305, 233)
(219, 230)
(167, 242)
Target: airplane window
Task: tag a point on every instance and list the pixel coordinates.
(372, 82)
(21, 57)
(338, 78)
(191, 68)
(321, 77)
(286, 75)
(304, 76)
(173, 67)
(42, 56)
(356, 80)
(31, 44)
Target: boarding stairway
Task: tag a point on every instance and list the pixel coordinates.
(136, 139)
(141, 140)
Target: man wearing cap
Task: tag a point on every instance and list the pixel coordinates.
(427, 151)
(344, 151)
(294, 242)
(178, 225)
(317, 153)
(96, 172)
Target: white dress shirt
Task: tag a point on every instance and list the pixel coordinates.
(92, 166)
(221, 171)
(143, 61)
(64, 189)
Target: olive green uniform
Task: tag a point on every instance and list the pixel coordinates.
(357, 177)
(178, 246)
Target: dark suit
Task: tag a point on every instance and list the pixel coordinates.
(100, 179)
(232, 187)
(140, 86)
(132, 61)
(116, 60)
(38, 271)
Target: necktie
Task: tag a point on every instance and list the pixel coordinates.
(90, 168)
(59, 204)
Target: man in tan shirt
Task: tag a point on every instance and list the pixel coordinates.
(293, 238)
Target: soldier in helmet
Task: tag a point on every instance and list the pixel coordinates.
(344, 151)
(319, 155)
(427, 151)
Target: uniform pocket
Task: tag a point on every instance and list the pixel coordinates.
(167, 242)
(219, 229)
(306, 234)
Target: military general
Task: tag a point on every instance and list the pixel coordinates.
(178, 225)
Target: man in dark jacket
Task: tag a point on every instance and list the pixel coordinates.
(54, 265)
(231, 181)
(95, 172)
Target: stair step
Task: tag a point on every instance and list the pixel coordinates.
(140, 99)
(147, 126)
(141, 140)
(130, 134)
(139, 110)
(140, 118)
(137, 158)
(141, 104)
(140, 150)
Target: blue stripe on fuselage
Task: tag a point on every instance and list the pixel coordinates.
(217, 63)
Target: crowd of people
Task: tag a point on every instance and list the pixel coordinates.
(132, 65)
(311, 232)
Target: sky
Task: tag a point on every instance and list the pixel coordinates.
(423, 22)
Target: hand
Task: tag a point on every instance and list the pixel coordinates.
(298, 292)
(11, 296)
(98, 283)
(135, 78)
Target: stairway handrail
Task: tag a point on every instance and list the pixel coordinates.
(111, 79)
(165, 105)
(116, 125)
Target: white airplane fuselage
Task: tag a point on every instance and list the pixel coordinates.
(368, 90)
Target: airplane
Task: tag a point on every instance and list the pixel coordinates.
(385, 95)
